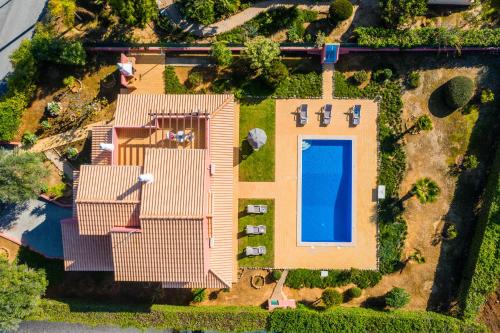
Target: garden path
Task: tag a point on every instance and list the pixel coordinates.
(278, 289)
(327, 76)
(64, 138)
(171, 9)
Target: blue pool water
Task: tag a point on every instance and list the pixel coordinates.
(326, 214)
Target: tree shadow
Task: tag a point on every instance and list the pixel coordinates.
(437, 105)
(375, 302)
(245, 151)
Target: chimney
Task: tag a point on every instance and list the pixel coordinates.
(107, 146)
(146, 178)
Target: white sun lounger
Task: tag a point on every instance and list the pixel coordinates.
(303, 114)
(327, 114)
(255, 250)
(256, 209)
(356, 114)
(256, 229)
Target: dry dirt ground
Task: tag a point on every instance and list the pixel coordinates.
(490, 313)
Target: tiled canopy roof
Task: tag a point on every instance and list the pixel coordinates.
(178, 188)
(133, 110)
(100, 134)
(161, 251)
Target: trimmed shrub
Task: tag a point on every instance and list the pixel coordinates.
(331, 297)
(414, 80)
(340, 10)
(397, 298)
(277, 73)
(470, 162)
(199, 295)
(459, 91)
(382, 75)
(355, 292)
(303, 278)
(276, 275)
(172, 83)
(360, 77)
(300, 85)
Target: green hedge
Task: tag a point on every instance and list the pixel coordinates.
(300, 86)
(365, 320)
(380, 37)
(220, 318)
(172, 83)
(300, 278)
(483, 267)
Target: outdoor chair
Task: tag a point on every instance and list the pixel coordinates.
(356, 115)
(327, 114)
(256, 229)
(303, 114)
(256, 209)
(255, 250)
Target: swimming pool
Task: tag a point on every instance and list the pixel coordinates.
(325, 191)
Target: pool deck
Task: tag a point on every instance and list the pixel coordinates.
(363, 254)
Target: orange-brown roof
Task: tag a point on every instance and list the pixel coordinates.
(178, 188)
(101, 134)
(211, 281)
(133, 110)
(107, 196)
(162, 251)
(85, 253)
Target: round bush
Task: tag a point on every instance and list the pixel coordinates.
(276, 275)
(459, 91)
(340, 10)
(397, 298)
(331, 297)
(355, 292)
(414, 80)
(277, 73)
(360, 77)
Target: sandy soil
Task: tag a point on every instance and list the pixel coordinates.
(490, 313)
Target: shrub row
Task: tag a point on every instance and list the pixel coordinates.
(300, 278)
(434, 37)
(172, 83)
(365, 320)
(483, 266)
(392, 226)
(247, 319)
(300, 85)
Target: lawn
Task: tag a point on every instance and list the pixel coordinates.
(267, 239)
(257, 166)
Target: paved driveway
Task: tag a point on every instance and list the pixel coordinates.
(35, 224)
(17, 22)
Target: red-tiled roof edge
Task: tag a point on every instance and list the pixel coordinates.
(125, 229)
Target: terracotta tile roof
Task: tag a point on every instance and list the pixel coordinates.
(133, 110)
(85, 253)
(211, 281)
(107, 196)
(178, 188)
(101, 134)
(222, 187)
(76, 176)
(161, 251)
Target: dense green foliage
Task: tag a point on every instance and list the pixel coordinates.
(172, 83)
(276, 275)
(382, 75)
(392, 226)
(341, 319)
(49, 49)
(64, 10)
(21, 176)
(20, 291)
(487, 96)
(221, 54)
(275, 74)
(397, 298)
(270, 22)
(414, 80)
(340, 10)
(331, 297)
(303, 278)
(11, 110)
(459, 91)
(483, 264)
(135, 12)
(399, 12)
(360, 77)
(470, 162)
(199, 295)
(300, 86)
(437, 37)
(208, 11)
(423, 123)
(260, 53)
(354, 292)
(426, 190)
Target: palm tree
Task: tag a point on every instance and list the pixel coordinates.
(423, 123)
(426, 190)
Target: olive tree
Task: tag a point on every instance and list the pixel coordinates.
(260, 53)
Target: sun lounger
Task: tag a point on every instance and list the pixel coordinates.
(303, 114)
(256, 209)
(255, 250)
(327, 114)
(356, 115)
(256, 229)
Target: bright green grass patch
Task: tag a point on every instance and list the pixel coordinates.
(257, 166)
(267, 219)
(460, 127)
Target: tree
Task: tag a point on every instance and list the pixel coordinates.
(399, 12)
(135, 12)
(260, 53)
(63, 9)
(470, 162)
(25, 70)
(397, 298)
(423, 123)
(276, 73)
(382, 75)
(20, 292)
(226, 7)
(201, 11)
(459, 91)
(21, 176)
(331, 297)
(222, 54)
(426, 190)
(487, 96)
(340, 10)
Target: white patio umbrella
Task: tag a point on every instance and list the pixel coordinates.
(256, 138)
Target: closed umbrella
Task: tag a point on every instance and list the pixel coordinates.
(257, 138)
